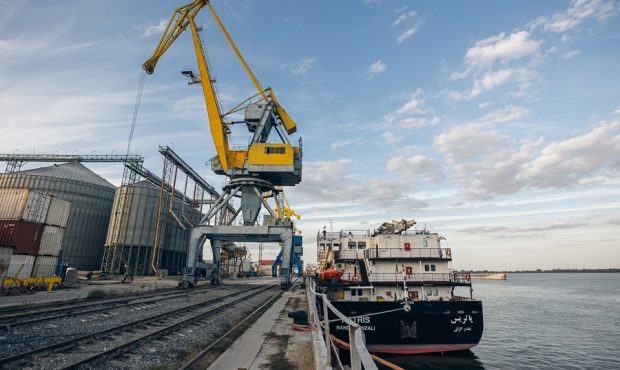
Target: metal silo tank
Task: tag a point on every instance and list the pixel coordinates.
(91, 202)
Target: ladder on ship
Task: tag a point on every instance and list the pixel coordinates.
(363, 271)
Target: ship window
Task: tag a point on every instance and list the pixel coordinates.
(436, 291)
(322, 245)
(353, 292)
(361, 245)
(352, 245)
(360, 292)
(426, 268)
(429, 291)
(336, 245)
(432, 267)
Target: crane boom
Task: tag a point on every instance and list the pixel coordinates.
(278, 163)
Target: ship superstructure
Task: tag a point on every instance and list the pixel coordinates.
(407, 276)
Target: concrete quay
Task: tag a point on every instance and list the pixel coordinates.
(271, 341)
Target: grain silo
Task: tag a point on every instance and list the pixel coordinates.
(132, 231)
(91, 199)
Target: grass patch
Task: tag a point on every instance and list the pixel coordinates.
(97, 294)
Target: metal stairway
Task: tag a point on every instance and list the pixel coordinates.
(363, 271)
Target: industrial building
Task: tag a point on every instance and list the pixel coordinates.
(91, 199)
(134, 231)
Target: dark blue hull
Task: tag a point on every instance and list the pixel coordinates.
(427, 327)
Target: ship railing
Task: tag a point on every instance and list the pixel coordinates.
(461, 298)
(359, 354)
(398, 277)
(394, 253)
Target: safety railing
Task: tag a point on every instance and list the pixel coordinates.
(398, 277)
(359, 354)
(394, 253)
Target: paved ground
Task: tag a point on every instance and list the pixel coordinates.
(271, 342)
(139, 285)
(112, 286)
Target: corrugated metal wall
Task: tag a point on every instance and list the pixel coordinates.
(136, 228)
(89, 214)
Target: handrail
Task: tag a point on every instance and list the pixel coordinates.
(442, 253)
(397, 277)
(359, 353)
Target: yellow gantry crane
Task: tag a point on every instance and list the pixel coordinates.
(255, 173)
(269, 157)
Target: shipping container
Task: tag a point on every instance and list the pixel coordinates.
(91, 199)
(5, 262)
(23, 204)
(51, 240)
(21, 266)
(58, 213)
(44, 266)
(37, 207)
(12, 203)
(24, 236)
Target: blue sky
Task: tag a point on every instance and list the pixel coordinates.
(496, 124)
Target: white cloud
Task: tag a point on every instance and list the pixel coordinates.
(303, 67)
(406, 34)
(577, 12)
(342, 190)
(617, 111)
(563, 163)
(413, 113)
(344, 143)
(407, 24)
(491, 80)
(376, 68)
(402, 17)
(391, 138)
(500, 48)
(571, 54)
(484, 164)
(420, 121)
(467, 142)
(506, 114)
(156, 29)
(417, 165)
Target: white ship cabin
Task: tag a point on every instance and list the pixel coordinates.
(366, 266)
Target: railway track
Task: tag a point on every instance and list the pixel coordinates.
(198, 360)
(41, 314)
(104, 344)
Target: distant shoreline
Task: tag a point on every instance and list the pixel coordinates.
(543, 271)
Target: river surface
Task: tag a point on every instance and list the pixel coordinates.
(541, 321)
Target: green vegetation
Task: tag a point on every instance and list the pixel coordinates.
(97, 294)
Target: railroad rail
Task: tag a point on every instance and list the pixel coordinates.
(78, 308)
(194, 361)
(137, 331)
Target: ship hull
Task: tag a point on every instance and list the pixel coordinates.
(427, 327)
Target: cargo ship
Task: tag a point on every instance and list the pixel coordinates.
(400, 286)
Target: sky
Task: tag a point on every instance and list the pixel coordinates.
(493, 123)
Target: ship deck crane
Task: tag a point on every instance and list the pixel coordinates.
(257, 172)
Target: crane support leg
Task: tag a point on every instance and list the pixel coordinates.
(217, 234)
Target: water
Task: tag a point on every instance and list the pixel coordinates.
(541, 321)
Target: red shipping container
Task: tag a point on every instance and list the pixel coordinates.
(24, 236)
